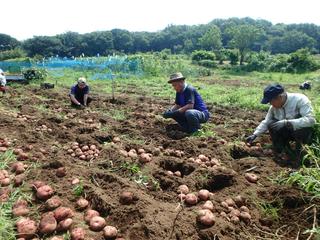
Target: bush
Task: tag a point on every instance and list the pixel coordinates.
(233, 56)
(301, 61)
(259, 61)
(279, 63)
(202, 55)
(35, 74)
(207, 63)
(11, 54)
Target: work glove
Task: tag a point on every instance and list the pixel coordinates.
(170, 113)
(276, 126)
(251, 138)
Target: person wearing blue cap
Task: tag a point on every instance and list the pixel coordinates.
(290, 118)
(189, 110)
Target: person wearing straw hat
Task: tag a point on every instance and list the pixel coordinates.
(3, 82)
(79, 94)
(189, 110)
(290, 118)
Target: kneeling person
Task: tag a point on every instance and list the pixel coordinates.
(290, 118)
(79, 93)
(189, 110)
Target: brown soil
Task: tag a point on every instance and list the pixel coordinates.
(156, 213)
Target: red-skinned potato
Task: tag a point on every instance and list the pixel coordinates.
(22, 156)
(246, 217)
(251, 177)
(3, 149)
(75, 181)
(203, 194)
(224, 204)
(37, 184)
(18, 179)
(78, 234)
(48, 223)
(235, 219)
(61, 172)
(110, 232)
(230, 202)
(90, 214)
(20, 208)
(239, 200)
(5, 182)
(178, 173)
(183, 189)
(64, 225)
(97, 223)
(235, 212)
(145, 158)
(85, 148)
(208, 205)
(53, 203)
(62, 213)
(44, 192)
(126, 197)
(206, 217)
(191, 199)
(17, 151)
(26, 228)
(82, 203)
(18, 167)
(244, 209)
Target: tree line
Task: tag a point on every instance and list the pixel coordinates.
(242, 34)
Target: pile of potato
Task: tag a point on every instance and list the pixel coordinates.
(143, 156)
(235, 210)
(24, 117)
(205, 161)
(18, 168)
(43, 128)
(84, 152)
(174, 153)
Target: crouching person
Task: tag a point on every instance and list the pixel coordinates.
(79, 94)
(3, 82)
(290, 118)
(189, 110)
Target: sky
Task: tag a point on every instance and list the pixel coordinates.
(24, 19)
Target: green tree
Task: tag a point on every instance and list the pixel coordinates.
(244, 38)
(7, 42)
(211, 40)
(43, 45)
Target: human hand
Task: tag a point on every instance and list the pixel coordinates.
(251, 138)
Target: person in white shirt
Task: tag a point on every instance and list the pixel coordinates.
(290, 118)
(3, 82)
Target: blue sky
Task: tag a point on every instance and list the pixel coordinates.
(23, 19)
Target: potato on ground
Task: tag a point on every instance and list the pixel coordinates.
(64, 225)
(97, 223)
(48, 223)
(82, 203)
(44, 192)
(62, 213)
(126, 197)
(90, 214)
(26, 228)
(78, 234)
(206, 217)
(110, 232)
(53, 203)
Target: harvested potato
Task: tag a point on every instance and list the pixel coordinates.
(97, 223)
(61, 172)
(48, 223)
(235, 212)
(78, 234)
(126, 197)
(230, 202)
(246, 217)
(62, 213)
(64, 225)
(53, 203)
(239, 200)
(20, 208)
(90, 214)
(251, 177)
(44, 192)
(145, 157)
(18, 167)
(224, 204)
(191, 199)
(82, 203)
(183, 189)
(235, 219)
(206, 217)
(181, 196)
(208, 205)
(37, 184)
(203, 194)
(26, 228)
(18, 179)
(110, 232)
(244, 209)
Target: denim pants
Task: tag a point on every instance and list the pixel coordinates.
(190, 120)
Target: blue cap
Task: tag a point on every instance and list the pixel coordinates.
(270, 92)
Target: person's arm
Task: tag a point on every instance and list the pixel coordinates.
(263, 126)
(175, 107)
(74, 100)
(186, 107)
(307, 118)
(85, 98)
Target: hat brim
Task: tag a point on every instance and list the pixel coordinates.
(176, 80)
(265, 100)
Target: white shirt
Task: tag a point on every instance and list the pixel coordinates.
(297, 110)
(3, 80)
